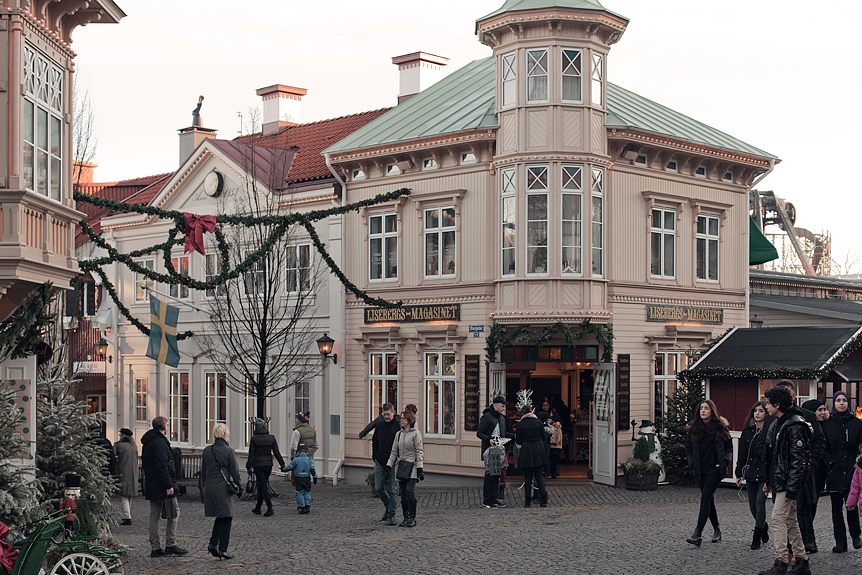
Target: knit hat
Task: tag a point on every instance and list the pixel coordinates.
(302, 417)
(834, 397)
(812, 404)
(259, 424)
(499, 399)
(126, 431)
(301, 447)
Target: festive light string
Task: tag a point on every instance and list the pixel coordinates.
(280, 223)
(498, 338)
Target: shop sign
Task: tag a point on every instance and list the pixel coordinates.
(89, 367)
(476, 330)
(413, 313)
(624, 391)
(471, 393)
(684, 313)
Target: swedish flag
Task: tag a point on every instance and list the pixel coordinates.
(163, 333)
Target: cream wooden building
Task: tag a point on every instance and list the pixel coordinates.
(541, 194)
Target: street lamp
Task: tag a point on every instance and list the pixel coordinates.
(324, 344)
(755, 322)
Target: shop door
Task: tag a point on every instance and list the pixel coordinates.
(604, 426)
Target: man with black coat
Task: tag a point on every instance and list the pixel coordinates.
(160, 487)
(385, 428)
(491, 418)
(788, 447)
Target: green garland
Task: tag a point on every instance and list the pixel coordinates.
(26, 327)
(280, 224)
(498, 337)
(780, 372)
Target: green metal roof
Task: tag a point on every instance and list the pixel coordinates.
(464, 101)
(520, 5)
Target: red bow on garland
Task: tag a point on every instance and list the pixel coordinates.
(195, 226)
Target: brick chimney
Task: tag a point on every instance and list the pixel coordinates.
(416, 72)
(282, 106)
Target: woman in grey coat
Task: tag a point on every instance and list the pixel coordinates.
(219, 462)
(408, 447)
(127, 469)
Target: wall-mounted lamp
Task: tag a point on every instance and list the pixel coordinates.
(101, 347)
(755, 322)
(324, 344)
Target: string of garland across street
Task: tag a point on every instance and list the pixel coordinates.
(280, 224)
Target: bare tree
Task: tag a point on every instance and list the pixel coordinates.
(848, 264)
(263, 324)
(84, 137)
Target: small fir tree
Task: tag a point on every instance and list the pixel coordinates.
(680, 411)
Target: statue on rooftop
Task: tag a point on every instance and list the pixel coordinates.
(197, 121)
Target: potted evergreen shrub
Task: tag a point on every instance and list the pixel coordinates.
(640, 471)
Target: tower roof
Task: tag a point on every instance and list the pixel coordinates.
(520, 5)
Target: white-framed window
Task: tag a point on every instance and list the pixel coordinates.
(663, 243)
(440, 242)
(301, 397)
(181, 264)
(572, 218)
(42, 125)
(537, 76)
(429, 164)
(88, 304)
(383, 247)
(440, 393)
(641, 160)
(216, 387)
(598, 191)
(537, 219)
(598, 82)
(468, 158)
(393, 170)
(707, 247)
(666, 367)
(179, 403)
(572, 76)
(254, 280)
(141, 399)
(142, 282)
(298, 268)
(509, 237)
(509, 80)
(382, 380)
(671, 166)
(358, 175)
(212, 268)
(700, 172)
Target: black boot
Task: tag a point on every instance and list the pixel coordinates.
(695, 538)
(811, 543)
(765, 536)
(405, 509)
(543, 500)
(528, 494)
(716, 534)
(755, 539)
(502, 497)
(411, 521)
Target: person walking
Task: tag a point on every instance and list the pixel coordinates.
(261, 449)
(160, 487)
(709, 449)
(385, 427)
(817, 475)
(843, 438)
(751, 467)
(491, 420)
(533, 456)
(407, 451)
(127, 469)
(303, 433)
(304, 474)
(788, 455)
(217, 465)
(556, 440)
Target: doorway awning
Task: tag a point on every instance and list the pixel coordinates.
(760, 250)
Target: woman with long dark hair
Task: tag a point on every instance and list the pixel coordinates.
(709, 449)
(751, 466)
(843, 437)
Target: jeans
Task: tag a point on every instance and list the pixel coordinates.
(303, 498)
(221, 533)
(708, 484)
(838, 510)
(785, 527)
(261, 475)
(170, 530)
(390, 500)
(806, 505)
(757, 502)
(409, 489)
(491, 489)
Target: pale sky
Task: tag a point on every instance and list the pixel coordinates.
(781, 75)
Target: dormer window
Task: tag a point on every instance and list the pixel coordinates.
(571, 81)
(393, 170)
(429, 164)
(537, 76)
(509, 80)
(358, 175)
(468, 158)
(671, 166)
(598, 80)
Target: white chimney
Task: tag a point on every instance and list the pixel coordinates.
(281, 106)
(417, 71)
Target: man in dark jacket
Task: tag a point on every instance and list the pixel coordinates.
(385, 428)
(788, 445)
(491, 418)
(160, 487)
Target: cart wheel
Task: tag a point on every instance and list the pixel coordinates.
(80, 564)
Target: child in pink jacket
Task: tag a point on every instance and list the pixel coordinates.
(856, 487)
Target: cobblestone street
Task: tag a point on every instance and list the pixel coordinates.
(587, 529)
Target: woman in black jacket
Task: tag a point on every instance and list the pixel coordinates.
(533, 456)
(261, 448)
(843, 437)
(709, 449)
(818, 464)
(751, 466)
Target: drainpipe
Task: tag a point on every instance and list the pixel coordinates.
(342, 327)
(748, 242)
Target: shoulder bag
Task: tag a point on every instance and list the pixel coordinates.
(404, 469)
(233, 488)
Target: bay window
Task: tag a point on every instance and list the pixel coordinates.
(537, 219)
(571, 215)
(508, 222)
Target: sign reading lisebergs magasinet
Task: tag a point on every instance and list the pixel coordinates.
(413, 313)
(684, 313)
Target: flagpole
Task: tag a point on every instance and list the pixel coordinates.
(179, 301)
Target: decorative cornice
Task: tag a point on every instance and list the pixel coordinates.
(676, 301)
(543, 317)
(686, 146)
(509, 20)
(431, 300)
(416, 145)
(553, 157)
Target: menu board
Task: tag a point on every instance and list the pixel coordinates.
(623, 391)
(471, 393)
